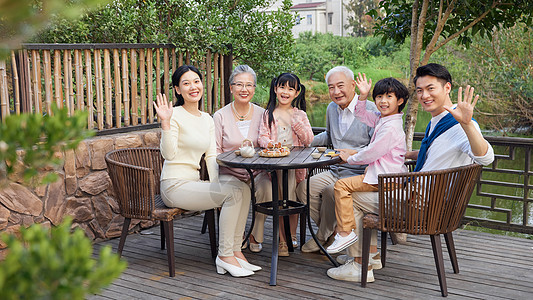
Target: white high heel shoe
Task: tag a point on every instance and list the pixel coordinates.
(247, 265)
(223, 267)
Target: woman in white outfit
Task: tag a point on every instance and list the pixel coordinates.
(186, 134)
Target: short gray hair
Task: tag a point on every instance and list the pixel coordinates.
(342, 69)
(241, 69)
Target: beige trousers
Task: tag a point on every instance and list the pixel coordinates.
(263, 193)
(363, 202)
(229, 193)
(321, 202)
(344, 202)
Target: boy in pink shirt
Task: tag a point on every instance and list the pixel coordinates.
(384, 154)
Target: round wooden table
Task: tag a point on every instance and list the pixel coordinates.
(299, 158)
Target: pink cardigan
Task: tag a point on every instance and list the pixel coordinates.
(228, 136)
(302, 134)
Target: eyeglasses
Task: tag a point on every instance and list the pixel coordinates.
(240, 85)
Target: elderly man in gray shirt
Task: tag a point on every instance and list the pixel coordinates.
(343, 131)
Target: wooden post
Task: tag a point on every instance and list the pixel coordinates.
(118, 90)
(99, 90)
(142, 78)
(36, 80)
(69, 91)
(57, 79)
(125, 88)
(16, 83)
(108, 88)
(4, 96)
(227, 67)
(216, 82)
(133, 74)
(47, 69)
(89, 84)
(150, 72)
(158, 71)
(171, 93)
(78, 69)
(166, 68)
(209, 82)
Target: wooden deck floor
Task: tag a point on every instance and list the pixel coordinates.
(491, 267)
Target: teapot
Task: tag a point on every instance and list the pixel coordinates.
(247, 148)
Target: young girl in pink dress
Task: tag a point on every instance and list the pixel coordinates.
(286, 122)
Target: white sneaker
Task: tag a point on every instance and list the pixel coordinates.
(342, 242)
(350, 271)
(374, 260)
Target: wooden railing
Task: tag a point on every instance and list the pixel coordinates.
(115, 83)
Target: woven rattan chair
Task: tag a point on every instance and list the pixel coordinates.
(427, 203)
(135, 174)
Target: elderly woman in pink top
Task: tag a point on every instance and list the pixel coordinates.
(234, 123)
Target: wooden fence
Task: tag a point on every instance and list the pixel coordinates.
(114, 83)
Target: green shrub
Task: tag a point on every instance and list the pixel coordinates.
(34, 139)
(55, 264)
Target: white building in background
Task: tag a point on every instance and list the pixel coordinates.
(328, 16)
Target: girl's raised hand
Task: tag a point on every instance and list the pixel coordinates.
(465, 105)
(163, 107)
(363, 85)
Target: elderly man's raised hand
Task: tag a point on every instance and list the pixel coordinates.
(465, 105)
(363, 85)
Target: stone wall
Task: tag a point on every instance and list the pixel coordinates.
(84, 191)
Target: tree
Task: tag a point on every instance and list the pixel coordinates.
(433, 24)
(358, 20)
(262, 40)
(20, 19)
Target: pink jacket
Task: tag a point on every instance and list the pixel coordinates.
(386, 151)
(302, 134)
(228, 136)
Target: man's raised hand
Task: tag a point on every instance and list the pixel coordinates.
(465, 105)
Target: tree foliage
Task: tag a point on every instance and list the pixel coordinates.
(502, 69)
(20, 19)
(262, 40)
(55, 264)
(432, 24)
(29, 143)
(359, 21)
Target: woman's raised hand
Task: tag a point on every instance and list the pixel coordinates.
(163, 107)
(164, 110)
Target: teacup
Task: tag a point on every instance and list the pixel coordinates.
(316, 155)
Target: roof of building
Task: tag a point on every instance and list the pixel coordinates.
(307, 5)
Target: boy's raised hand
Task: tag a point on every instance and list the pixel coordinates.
(363, 85)
(465, 105)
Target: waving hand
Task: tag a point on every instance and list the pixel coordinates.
(465, 105)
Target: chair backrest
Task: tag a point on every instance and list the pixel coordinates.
(135, 174)
(430, 202)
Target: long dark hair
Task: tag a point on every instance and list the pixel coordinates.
(176, 80)
(292, 81)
